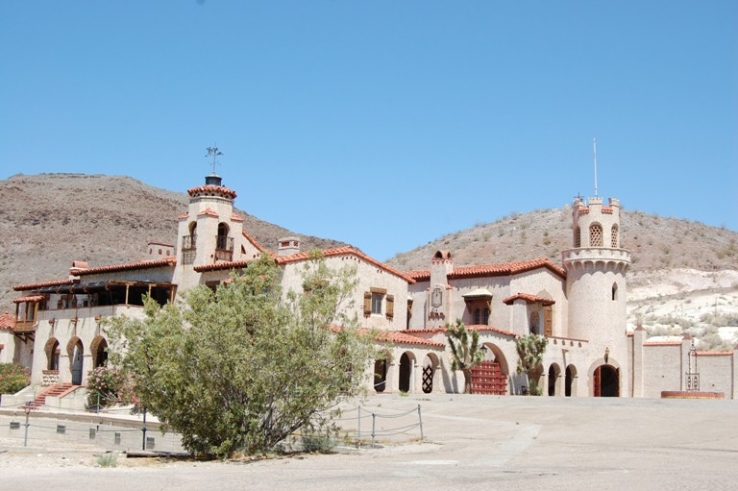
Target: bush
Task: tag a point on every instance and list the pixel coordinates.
(242, 368)
(13, 378)
(107, 460)
(109, 385)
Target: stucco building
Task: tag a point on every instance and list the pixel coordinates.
(579, 305)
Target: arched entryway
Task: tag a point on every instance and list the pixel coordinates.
(570, 381)
(429, 372)
(380, 374)
(554, 372)
(606, 381)
(75, 350)
(99, 350)
(406, 371)
(490, 376)
(52, 354)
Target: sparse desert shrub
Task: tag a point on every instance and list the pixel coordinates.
(107, 460)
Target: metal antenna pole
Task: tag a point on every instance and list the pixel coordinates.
(595, 164)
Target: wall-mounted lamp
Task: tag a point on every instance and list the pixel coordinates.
(74, 320)
(607, 354)
(52, 321)
(98, 318)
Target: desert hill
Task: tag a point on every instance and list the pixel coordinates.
(49, 220)
(655, 242)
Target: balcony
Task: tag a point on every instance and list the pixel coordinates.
(223, 248)
(25, 326)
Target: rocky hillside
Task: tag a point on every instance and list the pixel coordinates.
(49, 220)
(655, 242)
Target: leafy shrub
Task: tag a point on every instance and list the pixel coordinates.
(109, 385)
(13, 378)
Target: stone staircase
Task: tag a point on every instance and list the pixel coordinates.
(53, 391)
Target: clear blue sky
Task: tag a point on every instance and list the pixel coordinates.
(385, 124)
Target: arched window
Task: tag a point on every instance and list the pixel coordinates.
(614, 237)
(595, 235)
(614, 291)
(222, 236)
(577, 237)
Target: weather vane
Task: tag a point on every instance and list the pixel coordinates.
(214, 152)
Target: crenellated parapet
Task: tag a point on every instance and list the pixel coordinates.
(596, 258)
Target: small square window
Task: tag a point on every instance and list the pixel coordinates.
(377, 303)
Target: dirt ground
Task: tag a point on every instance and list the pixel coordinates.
(471, 442)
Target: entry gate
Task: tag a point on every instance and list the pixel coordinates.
(487, 378)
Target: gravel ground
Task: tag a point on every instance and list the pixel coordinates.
(472, 442)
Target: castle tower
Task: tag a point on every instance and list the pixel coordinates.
(438, 306)
(596, 288)
(209, 233)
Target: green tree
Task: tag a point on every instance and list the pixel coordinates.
(530, 352)
(245, 366)
(466, 351)
(13, 377)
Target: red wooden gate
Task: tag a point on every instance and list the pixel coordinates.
(487, 378)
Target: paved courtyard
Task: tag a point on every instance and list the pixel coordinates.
(472, 442)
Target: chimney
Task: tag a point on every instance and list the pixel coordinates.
(159, 250)
(288, 246)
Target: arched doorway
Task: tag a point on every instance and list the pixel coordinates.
(76, 359)
(606, 381)
(99, 350)
(52, 354)
(406, 371)
(490, 376)
(380, 375)
(569, 382)
(554, 371)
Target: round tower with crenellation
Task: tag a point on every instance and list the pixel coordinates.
(596, 292)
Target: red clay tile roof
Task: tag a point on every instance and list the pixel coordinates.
(400, 337)
(502, 269)
(476, 327)
(153, 263)
(32, 298)
(210, 190)
(183, 216)
(662, 343)
(222, 266)
(341, 251)
(491, 328)
(7, 322)
(236, 218)
(257, 245)
(35, 286)
(528, 299)
(209, 212)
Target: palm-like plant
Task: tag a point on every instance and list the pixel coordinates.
(465, 349)
(530, 351)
